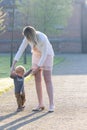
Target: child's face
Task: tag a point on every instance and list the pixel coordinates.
(20, 73)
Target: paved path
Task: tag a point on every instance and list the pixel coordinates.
(70, 91)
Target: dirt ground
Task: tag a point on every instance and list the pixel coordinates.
(70, 94)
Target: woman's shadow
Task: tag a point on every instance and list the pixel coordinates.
(20, 122)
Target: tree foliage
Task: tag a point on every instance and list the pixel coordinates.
(44, 15)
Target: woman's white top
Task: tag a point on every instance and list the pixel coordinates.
(43, 46)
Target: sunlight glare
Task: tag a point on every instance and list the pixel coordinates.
(86, 2)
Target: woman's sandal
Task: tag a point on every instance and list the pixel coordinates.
(38, 108)
(51, 109)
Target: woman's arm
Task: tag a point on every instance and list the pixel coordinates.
(13, 65)
(19, 53)
(21, 49)
(44, 49)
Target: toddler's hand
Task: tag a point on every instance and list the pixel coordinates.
(35, 70)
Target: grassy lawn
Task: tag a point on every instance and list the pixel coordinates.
(6, 83)
(5, 63)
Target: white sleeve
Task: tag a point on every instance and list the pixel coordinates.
(44, 54)
(21, 49)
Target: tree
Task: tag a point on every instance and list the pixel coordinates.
(44, 15)
(2, 16)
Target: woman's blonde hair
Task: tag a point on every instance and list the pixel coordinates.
(30, 33)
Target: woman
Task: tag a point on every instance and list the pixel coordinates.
(42, 60)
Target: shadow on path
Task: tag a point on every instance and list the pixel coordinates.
(20, 122)
(7, 116)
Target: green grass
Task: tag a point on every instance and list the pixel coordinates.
(5, 63)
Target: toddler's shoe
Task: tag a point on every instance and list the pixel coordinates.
(23, 107)
(20, 109)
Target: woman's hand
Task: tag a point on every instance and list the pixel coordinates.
(13, 74)
(35, 70)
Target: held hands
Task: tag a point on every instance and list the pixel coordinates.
(35, 70)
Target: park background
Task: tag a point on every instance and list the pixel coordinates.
(63, 21)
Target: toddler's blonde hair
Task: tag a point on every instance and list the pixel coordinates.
(20, 69)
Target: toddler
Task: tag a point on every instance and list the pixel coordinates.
(18, 75)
